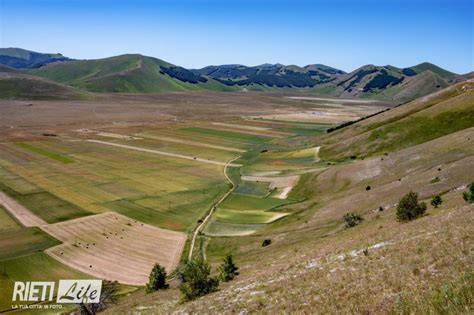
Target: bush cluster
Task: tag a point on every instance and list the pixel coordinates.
(196, 280)
(409, 208)
(469, 194)
(352, 219)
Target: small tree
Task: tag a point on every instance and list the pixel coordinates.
(157, 279)
(352, 219)
(196, 279)
(436, 201)
(409, 208)
(228, 268)
(469, 194)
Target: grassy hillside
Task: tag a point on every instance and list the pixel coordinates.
(428, 118)
(126, 74)
(20, 86)
(133, 73)
(22, 58)
(426, 66)
(389, 83)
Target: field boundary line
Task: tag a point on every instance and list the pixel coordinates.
(186, 157)
(213, 208)
(191, 143)
(21, 213)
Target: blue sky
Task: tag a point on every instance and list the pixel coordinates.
(344, 34)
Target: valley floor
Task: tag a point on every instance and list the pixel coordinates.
(119, 183)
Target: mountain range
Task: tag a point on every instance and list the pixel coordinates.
(134, 73)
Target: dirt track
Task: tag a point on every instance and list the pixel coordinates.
(163, 153)
(193, 143)
(26, 217)
(213, 208)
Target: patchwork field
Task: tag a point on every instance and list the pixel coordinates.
(106, 192)
(102, 177)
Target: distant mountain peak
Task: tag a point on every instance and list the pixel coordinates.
(22, 58)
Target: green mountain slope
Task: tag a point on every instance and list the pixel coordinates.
(389, 83)
(126, 74)
(133, 73)
(270, 75)
(425, 119)
(426, 66)
(22, 58)
(21, 86)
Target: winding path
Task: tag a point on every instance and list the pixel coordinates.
(213, 207)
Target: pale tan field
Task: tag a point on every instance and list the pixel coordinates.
(113, 247)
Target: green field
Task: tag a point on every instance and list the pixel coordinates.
(229, 135)
(260, 189)
(7, 222)
(24, 241)
(298, 128)
(34, 267)
(241, 202)
(279, 159)
(219, 228)
(46, 205)
(175, 211)
(244, 213)
(46, 153)
(245, 217)
(164, 191)
(184, 149)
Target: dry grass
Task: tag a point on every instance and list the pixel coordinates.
(373, 268)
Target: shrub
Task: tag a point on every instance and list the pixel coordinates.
(196, 279)
(436, 201)
(108, 296)
(409, 208)
(157, 279)
(469, 194)
(228, 268)
(352, 219)
(266, 242)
